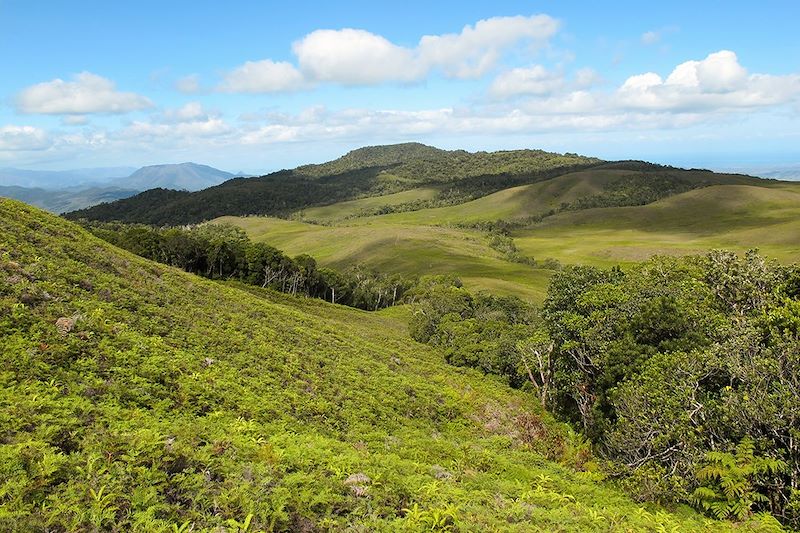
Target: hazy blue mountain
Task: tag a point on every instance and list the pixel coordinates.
(60, 179)
(188, 176)
(63, 200)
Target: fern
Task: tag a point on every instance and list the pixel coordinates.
(729, 481)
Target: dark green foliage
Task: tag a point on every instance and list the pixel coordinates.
(225, 252)
(681, 356)
(369, 171)
(480, 331)
(666, 367)
(728, 481)
(641, 189)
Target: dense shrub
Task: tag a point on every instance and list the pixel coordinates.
(670, 368)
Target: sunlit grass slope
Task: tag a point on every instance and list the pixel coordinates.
(512, 203)
(725, 216)
(354, 208)
(509, 204)
(138, 397)
(407, 249)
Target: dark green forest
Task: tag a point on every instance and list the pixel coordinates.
(684, 373)
(226, 253)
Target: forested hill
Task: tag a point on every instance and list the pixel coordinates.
(371, 171)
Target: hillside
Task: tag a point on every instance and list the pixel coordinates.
(380, 232)
(459, 176)
(141, 397)
(724, 216)
(403, 249)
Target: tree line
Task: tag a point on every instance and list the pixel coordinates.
(683, 372)
(225, 252)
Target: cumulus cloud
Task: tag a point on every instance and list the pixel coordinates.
(86, 93)
(358, 57)
(355, 57)
(475, 50)
(263, 77)
(23, 138)
(535, 80)
(538, 81)
(716, 82)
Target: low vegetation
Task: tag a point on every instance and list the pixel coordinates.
(140, 397)
(532, 384)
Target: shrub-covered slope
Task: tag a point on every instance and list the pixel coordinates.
(138, 397)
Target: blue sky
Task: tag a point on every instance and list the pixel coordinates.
(257, 86)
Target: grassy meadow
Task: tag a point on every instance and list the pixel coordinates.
(741, 214)
(736, 217)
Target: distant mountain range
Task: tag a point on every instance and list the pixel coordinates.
(62, 191)
(64, 200)
(61, 179)
(183, 176)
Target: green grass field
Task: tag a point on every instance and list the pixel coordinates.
(407, 249)
(142, 398)
(736, 217)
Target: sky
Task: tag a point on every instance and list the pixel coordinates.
(258, 86)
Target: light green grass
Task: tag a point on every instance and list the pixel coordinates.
(759, 214)
(509, 204)
(725, 216)
(330, 213)
(406, 249)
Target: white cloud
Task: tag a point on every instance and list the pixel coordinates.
(183, 124)
(475, 50)
(23, 138)
(140, 130)
(587, 77)
(355, 57)
(714, 83)
(87, 93)
(188, 84)
(358, 57)
(190, 112)
(535, 80)
(263, 77)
